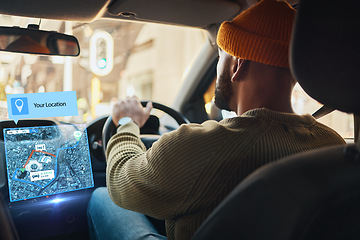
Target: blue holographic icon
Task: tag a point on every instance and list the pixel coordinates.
(19, 106)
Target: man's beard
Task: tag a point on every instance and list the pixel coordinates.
(223, 92)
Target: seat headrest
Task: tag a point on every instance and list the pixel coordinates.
(325, 52)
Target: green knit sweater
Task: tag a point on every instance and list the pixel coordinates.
(187, 172)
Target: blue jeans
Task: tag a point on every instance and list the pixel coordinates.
(109, 221)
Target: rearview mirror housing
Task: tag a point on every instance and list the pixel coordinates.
(34, 41)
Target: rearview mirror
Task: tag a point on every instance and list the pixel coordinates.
(34, 41)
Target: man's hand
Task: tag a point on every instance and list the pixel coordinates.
(131, 107)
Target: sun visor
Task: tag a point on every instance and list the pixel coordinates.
(325, 52)
(195, 13)
(72, 10)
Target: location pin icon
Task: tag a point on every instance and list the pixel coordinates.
(77, 135)
(19, 104)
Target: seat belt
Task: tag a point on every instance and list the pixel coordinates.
(324, 110)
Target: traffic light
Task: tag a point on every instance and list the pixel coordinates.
(101, 53)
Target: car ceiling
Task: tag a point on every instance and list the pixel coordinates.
(195, 13)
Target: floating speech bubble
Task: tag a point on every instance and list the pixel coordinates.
(41, 105)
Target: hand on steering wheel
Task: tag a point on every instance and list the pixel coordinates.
(109, 128)
(131, 107)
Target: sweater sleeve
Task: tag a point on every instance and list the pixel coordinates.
(155, 182)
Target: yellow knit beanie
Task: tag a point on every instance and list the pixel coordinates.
(261, 33)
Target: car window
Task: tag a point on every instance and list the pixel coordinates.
(117, 59)
(302, 103)
(341, 122)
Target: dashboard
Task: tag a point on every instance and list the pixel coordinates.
(48, 171)
(47, 177)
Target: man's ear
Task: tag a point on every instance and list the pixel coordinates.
(238, 69)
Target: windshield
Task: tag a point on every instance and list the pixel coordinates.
(117, 59)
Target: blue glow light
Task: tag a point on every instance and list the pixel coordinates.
(57, 200)
(102, 63)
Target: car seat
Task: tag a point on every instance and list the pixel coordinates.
(312, 195)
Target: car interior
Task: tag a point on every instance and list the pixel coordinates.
(312, 195)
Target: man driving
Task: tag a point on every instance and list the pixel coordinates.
(189, 171)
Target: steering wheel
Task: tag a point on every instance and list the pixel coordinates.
(109, 128)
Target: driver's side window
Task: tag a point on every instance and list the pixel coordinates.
(301, 102)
